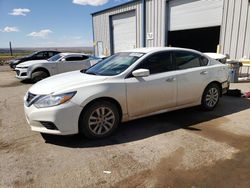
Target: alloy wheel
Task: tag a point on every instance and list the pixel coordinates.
(212, 97)
(101, 120)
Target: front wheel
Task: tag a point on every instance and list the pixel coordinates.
(38, 75)
(99, 120)
(210, 97)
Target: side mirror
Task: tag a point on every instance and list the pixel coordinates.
(141, 73)
(63, 59)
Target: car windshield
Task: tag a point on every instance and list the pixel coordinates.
(55, 57)
(115, 64)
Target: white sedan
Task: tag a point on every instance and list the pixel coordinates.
(125, 86)
(37, 70)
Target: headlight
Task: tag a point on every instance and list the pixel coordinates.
(53, 100)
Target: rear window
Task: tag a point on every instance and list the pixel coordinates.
(204, 61)
(185, 60)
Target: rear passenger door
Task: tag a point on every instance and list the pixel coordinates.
(192, 76)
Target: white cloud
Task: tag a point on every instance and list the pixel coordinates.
(10, 29)
(90, 2)
(44, 33)
(19, 11)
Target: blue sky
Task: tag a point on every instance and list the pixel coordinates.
(49, 23)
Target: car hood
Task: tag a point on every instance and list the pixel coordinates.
(65, 82)
(30, 63)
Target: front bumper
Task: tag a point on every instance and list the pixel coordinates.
(225, 86)
(12, 65)
(22, 74)
(65, 117)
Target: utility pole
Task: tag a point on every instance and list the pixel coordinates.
(10, 49)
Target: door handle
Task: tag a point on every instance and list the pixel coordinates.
(203, 72)
(171, 79)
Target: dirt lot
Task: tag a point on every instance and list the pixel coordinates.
(185, 148)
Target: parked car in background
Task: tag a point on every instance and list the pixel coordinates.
(64, 62)
(34, 56)
(125, 86)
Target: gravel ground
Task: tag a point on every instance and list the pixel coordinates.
(185, 148)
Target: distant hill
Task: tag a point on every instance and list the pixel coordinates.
(62, 49)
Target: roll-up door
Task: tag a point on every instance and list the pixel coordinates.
(124, 31)
(192, 14)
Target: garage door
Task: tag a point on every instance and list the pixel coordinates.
(190, 14)
(124, 31)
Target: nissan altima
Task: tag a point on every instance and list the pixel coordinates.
(127, 85)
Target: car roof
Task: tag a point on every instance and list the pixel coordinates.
(158, 49)
(48, 51)
(68, 53)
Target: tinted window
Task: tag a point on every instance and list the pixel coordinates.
(40, 55)
(51, 54)
(54, 53)
(204, 61)
(185, 60)
(157, 63)
(77, 58)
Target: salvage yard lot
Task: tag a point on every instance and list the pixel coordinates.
(184, 148)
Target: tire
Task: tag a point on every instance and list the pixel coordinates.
(38, 75)
(99, 120)
(210, 97)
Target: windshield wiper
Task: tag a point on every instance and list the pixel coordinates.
(84, 71)
(92, 73)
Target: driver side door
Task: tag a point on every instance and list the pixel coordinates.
(155, 92)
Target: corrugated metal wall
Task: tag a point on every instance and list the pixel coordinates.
(235, 30)
(101, 23)
(155, 22)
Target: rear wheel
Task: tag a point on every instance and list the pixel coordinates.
(99, 120)
(39, 75)
(210, 97)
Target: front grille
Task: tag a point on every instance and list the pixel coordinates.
(17, 72)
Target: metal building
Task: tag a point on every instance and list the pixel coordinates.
(203, 25)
